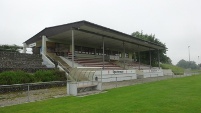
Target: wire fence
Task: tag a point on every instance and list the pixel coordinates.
(22, 93)
(140, 80)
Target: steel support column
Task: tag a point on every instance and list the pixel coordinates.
(124, 54)
(149, 58)
(73, 49)
(158, 59)
(139, 56)
(103, 53)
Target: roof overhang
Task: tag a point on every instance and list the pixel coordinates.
(90, 34)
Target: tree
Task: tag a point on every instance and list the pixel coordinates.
(144, 56)
(187, 64)
(11, 48)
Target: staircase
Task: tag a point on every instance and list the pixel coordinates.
(54, 57)
(72, 72)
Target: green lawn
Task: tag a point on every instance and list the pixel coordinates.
(178, 95)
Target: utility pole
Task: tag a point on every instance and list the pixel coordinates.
(189, 52)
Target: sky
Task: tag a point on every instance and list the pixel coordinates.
(177, 23)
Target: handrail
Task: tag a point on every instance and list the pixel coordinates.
(47, 59)
(48, 56)
(63, 66)
(66, 70)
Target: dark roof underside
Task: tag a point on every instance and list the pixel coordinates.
(87, 33)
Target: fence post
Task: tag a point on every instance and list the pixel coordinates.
(67, 87)
(157, 77)
(142, 78)
(28, 100)
(131, 80)
(116, 82)
(92, 79)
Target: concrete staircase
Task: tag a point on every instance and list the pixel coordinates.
(71, 71)
(56, 58)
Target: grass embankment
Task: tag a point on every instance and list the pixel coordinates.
(179, 95)
(175, 69)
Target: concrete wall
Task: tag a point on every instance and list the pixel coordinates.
(167, 72)
(152, 73)
(115, 75)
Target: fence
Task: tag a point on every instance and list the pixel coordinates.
(21, 93)
(140, 80)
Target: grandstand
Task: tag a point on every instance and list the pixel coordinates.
(91, 45)
(85, 51)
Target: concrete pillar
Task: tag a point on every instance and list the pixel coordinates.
(24, 48)
(130, 55)
(44, 47)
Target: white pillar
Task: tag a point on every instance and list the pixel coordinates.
(44, 48)
(24, 47)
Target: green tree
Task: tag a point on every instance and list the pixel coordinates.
(187, 64)
(144, 56)
(11, 48)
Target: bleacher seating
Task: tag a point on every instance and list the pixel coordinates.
(93, 61)
(135, 65)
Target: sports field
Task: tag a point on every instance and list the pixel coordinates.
(178, 95)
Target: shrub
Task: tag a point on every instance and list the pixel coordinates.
(44, 76)
(20, 77)
(15, 77)
(59, 75)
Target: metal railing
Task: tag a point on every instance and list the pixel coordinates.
(21, 93)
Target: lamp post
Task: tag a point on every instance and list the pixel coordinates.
(189, 56)
(189, 53)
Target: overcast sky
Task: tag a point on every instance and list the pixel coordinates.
(177, 23)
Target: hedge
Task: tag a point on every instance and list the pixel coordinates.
(20, 77)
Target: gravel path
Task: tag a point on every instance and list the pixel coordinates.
(9, 99)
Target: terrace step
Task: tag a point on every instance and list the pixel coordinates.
(88, 93)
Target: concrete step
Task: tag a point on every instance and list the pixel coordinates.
(82, 94)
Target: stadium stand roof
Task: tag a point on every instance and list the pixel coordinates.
(87, 33)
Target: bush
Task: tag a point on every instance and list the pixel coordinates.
(59, 75)
(20, 77)
(49, 75)
(15, 77)
(44, 76)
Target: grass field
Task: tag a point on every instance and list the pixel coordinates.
(178, 95)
